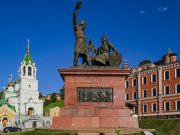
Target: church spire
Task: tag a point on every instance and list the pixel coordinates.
(28, 46)
(28, 58)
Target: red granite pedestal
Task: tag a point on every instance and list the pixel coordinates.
(94, 115)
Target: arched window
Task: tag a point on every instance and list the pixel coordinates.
(24, 70)
(30, 111)
(4, 122)
(29, 71)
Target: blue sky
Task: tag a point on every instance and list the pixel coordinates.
(140, 29)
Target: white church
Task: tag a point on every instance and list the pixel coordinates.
(23, 95)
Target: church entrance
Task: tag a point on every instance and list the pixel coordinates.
(4, 122)
(30, 112)
(34, 124)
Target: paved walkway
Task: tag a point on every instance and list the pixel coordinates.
(148, 133)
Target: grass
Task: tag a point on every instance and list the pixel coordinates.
(162, 126)
(52, 105)
(38, 132)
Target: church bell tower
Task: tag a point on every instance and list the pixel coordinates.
(27, 72)
(28, 67)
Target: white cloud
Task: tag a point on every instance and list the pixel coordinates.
(162, 9)
(142, 12)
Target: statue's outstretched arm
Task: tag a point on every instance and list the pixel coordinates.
(75, 23)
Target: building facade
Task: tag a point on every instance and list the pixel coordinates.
(153, 89)
(23, 94)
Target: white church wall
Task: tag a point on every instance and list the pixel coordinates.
(10, 88)
(9, 94)
(17, 87)
(29, 84)
(37, 107)
(26, 96)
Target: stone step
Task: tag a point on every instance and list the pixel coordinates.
(96, 131)
(95, 122)
(95, 112)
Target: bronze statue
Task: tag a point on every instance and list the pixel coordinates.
(80, 43)
(104, 57)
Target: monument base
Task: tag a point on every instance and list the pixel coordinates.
(105, 109)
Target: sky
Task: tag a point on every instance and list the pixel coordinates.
(139, 29)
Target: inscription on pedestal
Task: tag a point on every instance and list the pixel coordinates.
(95, 95)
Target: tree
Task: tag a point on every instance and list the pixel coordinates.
(62, 92)
(53, 98)
(144, 62)
(46, 102)
(1, 95)
(40, 95)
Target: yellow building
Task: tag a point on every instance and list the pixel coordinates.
(7, 113)
(54, 112)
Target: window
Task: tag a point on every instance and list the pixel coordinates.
(135, 109)
(154, 92)
(153, 78)
(177, 88)
(134, 95)
(24, 70)
(134, 82)
(144, 108)
(144, 93)
(154, 107)
(166, 75)
(127, 96)
(127, 84)
(177, 105)
(29, 71)
(167, 90)
(144, 80)
(166, 106)
(177, 72)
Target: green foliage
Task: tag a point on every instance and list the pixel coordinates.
(40, 95)
(162, 126)
(144, 62)
(46, 102)
(62, 93)
(53, 98)
(118, 132)
(52, 105)
(1, 95)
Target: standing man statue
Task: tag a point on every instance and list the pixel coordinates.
(80, 37)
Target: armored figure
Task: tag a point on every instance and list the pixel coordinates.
(80, 37)
(103, 52)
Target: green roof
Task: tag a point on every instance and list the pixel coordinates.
(4, 101)
(28, 58)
